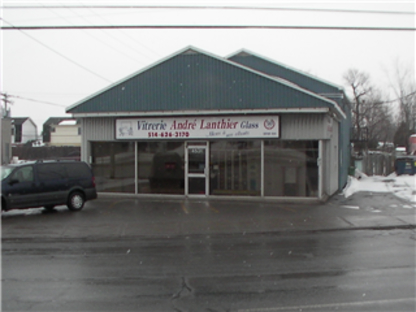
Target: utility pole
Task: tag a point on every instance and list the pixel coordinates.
(6, 101)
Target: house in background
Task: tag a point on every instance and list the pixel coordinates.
(61, 131)
(49, 125)
(23, 130)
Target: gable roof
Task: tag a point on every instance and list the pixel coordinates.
(192, 80)
(19, 120)
(55, 120)
(276, 69)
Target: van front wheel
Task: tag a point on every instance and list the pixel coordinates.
(76, 201)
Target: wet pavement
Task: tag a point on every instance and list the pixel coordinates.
(124, 216)
(126, 253)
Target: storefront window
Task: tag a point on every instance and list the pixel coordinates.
(291, 168)
(160, 168)
(113, 166)
(235, 168)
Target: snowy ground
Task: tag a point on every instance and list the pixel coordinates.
(403, 186)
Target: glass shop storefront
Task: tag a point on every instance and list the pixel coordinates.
(214, 167)
(196, 167)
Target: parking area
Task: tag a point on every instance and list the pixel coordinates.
(116, 216)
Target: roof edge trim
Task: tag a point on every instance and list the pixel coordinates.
(319, 110)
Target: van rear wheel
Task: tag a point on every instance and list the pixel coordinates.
(76, 201)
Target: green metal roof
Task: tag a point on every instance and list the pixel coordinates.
(273, 68)
(193, 80)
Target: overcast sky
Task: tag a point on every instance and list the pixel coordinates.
(48, 70)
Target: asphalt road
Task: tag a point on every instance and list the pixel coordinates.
(303, 270)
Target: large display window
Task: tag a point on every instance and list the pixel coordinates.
(291, 167)
(231, 168)
(160, 167)
(113, 166)
(235, 168)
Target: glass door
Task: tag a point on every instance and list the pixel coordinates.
(196, 180)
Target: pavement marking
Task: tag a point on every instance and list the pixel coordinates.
(288, 209)
(208, 205)
(184, 208)
(350, 207)
(213, 209)
(329, 305)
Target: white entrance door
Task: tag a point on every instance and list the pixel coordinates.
(197, 169)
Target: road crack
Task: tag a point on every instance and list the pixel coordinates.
(185, 290)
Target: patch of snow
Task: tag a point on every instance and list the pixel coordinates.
(68, 123)
(403, 186)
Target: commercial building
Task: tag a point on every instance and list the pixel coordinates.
(195, 124)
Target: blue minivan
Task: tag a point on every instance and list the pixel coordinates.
(47, 184)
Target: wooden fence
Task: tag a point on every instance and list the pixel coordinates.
(375, 163)
(47, 152)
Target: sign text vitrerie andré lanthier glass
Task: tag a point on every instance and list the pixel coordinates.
(198, 127)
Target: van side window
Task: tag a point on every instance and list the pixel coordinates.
(24, 174)
(47, 172)
(77, 170)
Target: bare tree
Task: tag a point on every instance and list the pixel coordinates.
(369, 110)
(360, 86)
(404, 89)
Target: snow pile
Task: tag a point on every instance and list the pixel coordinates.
(403, 186)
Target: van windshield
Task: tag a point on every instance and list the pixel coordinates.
(5, 171)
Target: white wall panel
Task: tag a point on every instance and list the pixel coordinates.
(95, 129)
(304, 126)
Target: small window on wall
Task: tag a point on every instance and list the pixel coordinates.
(18, 134)
(113, 166)
(291, 168)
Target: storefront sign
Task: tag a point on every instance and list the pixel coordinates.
(198, 128)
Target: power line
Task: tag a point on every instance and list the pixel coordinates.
(354, 28)
(132, 38)
(116, 37)
(395, 100)
(28, 99)
(191, 7)
(98, 39)
(399, 98)
(54, 51)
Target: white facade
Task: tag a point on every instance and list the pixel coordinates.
(28, 132)
(66, 134)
